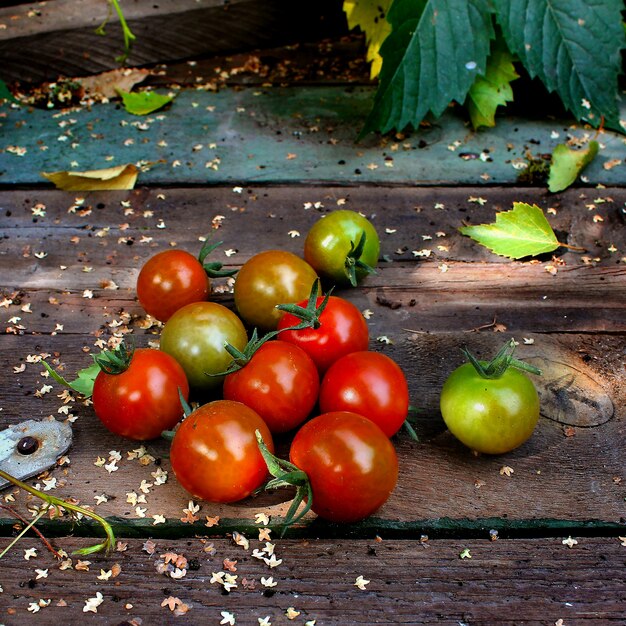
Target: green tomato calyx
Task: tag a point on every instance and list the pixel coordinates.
(353, 260)
(500, 363)
(242, 357)
(286, 474)
(115, 361)
(309, 314)
(213, 268)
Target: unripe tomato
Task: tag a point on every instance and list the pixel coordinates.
(490, 415)
(267, 279)
(331, 247)
(195, 336)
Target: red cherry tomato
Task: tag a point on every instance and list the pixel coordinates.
(215, 455)
(143, 400)
(267, 279)
(370, 384)
(170, 280)
(342, 330)
(280, 382)
(351, 465)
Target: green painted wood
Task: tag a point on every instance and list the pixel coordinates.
(437, 528)
(282, 136)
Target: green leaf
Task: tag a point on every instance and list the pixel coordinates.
(143, 102)
(573, 46)
(494, 88)
(371, 17)
(5, 92)
(567, 164)
(523, 231)
(83, 383)
(432, 56)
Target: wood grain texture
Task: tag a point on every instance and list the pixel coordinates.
(505, 582)
(570, 323)
(42, 42)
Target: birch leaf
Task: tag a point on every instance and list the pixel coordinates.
(523, 231)
(120, 177)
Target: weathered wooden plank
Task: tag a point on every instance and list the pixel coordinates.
(438, 279)
(281, 135)
(45, 41)
(571, 469)
(533, 581)
(46, 312)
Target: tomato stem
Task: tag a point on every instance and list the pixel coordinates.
(500, 363)
(287, 474)
(213, 268)
(353, 260)
(117, 360)
(309, 314)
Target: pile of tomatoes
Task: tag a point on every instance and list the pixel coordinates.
(308, 354)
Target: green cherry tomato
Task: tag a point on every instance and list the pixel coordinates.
(489, 415)
(335, 247)
(267, 279)
(195, 336)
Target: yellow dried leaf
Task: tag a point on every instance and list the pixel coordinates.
(120, 177)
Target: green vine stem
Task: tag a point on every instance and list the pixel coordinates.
(58, 504)
(129, 37)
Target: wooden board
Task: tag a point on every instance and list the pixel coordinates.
(283, 135)
(43, 41)
(530, 581)
(571, 323)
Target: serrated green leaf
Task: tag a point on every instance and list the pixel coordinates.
(371, 17)
(83, 383)
(573, 46)
(523, 231)
(567, 164)
(143, 102)
(432, 56)
(494, 88)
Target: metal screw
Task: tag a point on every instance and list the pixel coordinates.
(27, 445)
